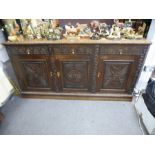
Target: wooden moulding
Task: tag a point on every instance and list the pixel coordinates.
(80, 41)
(78, 96)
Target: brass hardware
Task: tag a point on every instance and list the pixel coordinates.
(28, 51)
(51, 74)
(98, 75)
(58, 74)
(73, 51)
(120, 51)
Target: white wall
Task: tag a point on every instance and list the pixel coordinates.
(3, 54)
(5, 86)
(150, 59)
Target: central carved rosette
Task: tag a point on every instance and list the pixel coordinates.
(74, 75)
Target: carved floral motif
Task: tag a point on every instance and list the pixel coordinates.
(75, 74)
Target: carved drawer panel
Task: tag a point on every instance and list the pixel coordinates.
(73, 49)
(26, 49)
(123, 49)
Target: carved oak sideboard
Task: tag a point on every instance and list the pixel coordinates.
(84, 69)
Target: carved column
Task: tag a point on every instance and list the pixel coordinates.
(139, 67)
(94, 68)
(53, 68)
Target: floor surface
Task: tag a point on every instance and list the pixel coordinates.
(68, 117)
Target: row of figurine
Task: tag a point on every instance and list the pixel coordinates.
(29, 29)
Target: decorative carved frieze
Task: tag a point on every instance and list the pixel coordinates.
(122, 49)
(73, 49)
(26, 49)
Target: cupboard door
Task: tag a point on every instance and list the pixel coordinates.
(73, 72)
(116, 73)
(33, 73)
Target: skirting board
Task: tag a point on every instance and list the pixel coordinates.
(78, 96)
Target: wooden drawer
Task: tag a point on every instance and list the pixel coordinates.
(73, 49)
(123, 49)
(26, 49)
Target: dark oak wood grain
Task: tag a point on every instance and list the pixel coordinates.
(93, 67)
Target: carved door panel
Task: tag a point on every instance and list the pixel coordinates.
(33, 73)
(116, 73)
(73, 72)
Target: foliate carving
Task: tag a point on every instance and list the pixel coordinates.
(35, 73)
(78, 49)
(94, 66)
(54, 70)
(75, 74)
(115, 75)
(79, 76)
(28, 49)
(122, 49)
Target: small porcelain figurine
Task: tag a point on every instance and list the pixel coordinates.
(84, 31)
(128, 33)
(140, 33)
(104, 30)
(13, 29)
(128, 23)
(71, 31)
(55, 33)
(118, 23)
(28, 30)
(94, 26)
(114, 32)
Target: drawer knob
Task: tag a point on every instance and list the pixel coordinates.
(28, 51)
(58, 74)
(120, 51)
(73, 51)
(51, 74)
(98, 75)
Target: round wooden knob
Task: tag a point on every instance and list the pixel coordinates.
(73, 51)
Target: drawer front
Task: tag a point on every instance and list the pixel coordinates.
(123, 49)
(28, 49)
(73, 49)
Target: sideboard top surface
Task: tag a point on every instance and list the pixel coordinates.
(79, 41)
